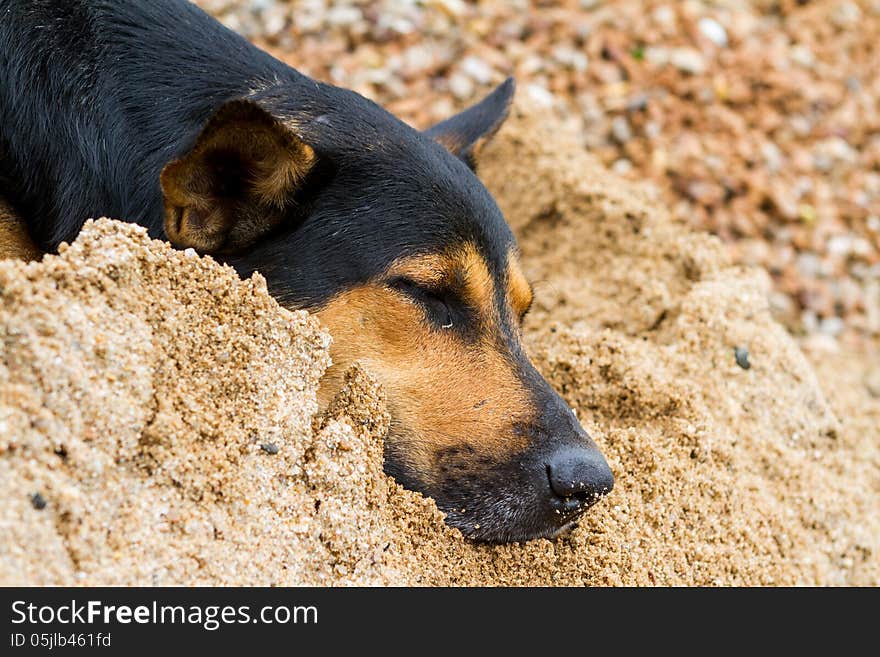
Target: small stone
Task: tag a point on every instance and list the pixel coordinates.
(664, 15)
(416, 59)
(742, 357)
(772, 155)
(705, 192)
(453, 7)
(269, 448)
(807, 213)
(801, 125)
(622, 166)
(540, 95)
(836, 149)
(38, 501)
(275, 20)
(687, 60)
(461, 86)
(572, 58)
(802, 56)
(620, 130)
(656, 55)
(476, 69)
(810, 321)
(714, 31)
(809, 264)
(846, 15)
(342, 15)
(832, 326)
(637, 103)
(840, 245)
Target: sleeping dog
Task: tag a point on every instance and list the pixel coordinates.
(153, 112)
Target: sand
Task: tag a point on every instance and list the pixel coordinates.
(14, 240)
(164, 411)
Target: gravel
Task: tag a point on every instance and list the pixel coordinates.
(741, 354)
(38, 501)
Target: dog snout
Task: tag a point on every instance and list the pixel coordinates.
(578, 476)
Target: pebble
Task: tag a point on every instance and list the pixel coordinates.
(461, 86)
(343, 15)
(838, 149)
(38, 501)
(622, 166)
(275, 21)
(810, 321)
(656, 55)
(772, 156)
(741, 354)
(664, 15)
(540, 95)
(637, 103)
(477, 69)
(572, 58)
(621, 130)
(687, 60)
(802, 56)
(809, 264)
(832, 326)
(714, 31)
(846, 15)
(269, 448)
(840, 245)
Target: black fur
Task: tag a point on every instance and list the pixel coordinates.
(97, 96)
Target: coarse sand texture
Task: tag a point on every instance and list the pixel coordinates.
(158, 417)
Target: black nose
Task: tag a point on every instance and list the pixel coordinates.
(579, 475)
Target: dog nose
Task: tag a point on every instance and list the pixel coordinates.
(579, 475)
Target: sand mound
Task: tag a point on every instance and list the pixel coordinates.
(156, 415)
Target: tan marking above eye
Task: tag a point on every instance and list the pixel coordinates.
(430, 270)
(462, 271)
(519, 289)
(477, 286)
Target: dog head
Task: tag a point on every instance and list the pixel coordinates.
(387, 234)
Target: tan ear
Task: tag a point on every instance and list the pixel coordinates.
(465, 134)
(234, 185)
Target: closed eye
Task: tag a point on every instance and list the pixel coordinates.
(435, 303)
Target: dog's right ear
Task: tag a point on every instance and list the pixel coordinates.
(465, 134)
(235, 183)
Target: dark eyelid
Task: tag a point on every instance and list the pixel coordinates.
(410, 286)
(437, 302)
